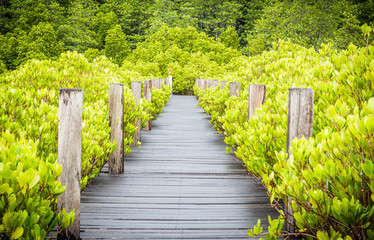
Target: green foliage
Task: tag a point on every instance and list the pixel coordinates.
(29, 187)
(116, 45)
(41, 43)
(92, 53)
(230, 38)
(308, 23)
(102, 22)
(74, 31)
(24, 14)
(29, 184)
(328, 176)
(189, 53)
(159, 98)
(2, 67)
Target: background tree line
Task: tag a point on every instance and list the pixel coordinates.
(43, 29)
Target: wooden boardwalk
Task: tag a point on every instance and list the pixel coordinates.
(181, 184)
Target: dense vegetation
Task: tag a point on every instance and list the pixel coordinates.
(47, 45)
(43, 29)
(29, 184)
(330, 175)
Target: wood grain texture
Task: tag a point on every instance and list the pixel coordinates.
(222, 85)
(205, 83)
(156, 83)
(215, 83)
(299, 124)
(148, 97)
(234, 89)
(136, 89)
(69, 156)
(300, 114)
(198, 83)
(256, 97)
(181, 184)
(116, 118)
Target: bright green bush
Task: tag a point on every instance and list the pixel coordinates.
(29, 184)
(328, 176)
(187, 52)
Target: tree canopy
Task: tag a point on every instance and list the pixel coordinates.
(249, 26)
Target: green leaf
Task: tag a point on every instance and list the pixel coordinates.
(370, 105)
(250, 233)
(228, 149)
(322, 235)
(4, 188)
(34, 181)
(17, 233)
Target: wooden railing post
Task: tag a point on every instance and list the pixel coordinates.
(116, 115)
(234, 89)
(148, 97)
(222, 85)
(156, 83)
(166, 81)
(256, 97)
(136, 89)
(214, 83)
(299, 124)
(208, 83)
(198, 87)
(205, 83)
(69, 156)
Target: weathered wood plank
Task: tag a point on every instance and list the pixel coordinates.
(156, 83)
(136, 89)
(299, 124)
(256, 97)
(116, 118)
(181, 184)
(148, 97)
(69, 156)
(222, 85)
(234, 89)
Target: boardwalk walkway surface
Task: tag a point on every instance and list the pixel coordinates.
(181, 184)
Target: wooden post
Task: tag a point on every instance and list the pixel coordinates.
(214, 83)
(299, 124)
(116, 123)
(234, 89)
(222, 85)
(69, 156)
(156, 83)
(136, 89)
(256, 97)
(148, 97)
(198, 87)
(201, 83)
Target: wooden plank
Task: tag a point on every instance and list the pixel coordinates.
(222, 85)
(299, 124)
(181, 184)
(234, 89)
(116, 118)
(136, 89)
(256, 97)
(214, 83)
(69, 156)
(156, 83)
(148, 97)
